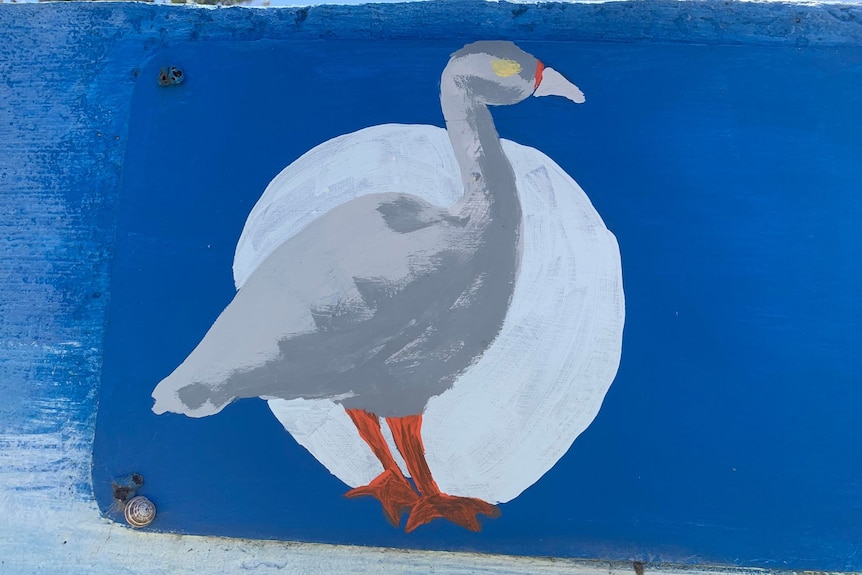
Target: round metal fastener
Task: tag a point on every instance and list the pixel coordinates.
(140, 511)
(171, 76)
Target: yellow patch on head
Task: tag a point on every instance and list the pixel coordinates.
(505, 68)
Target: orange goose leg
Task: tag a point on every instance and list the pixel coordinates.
(433, 504)
(391, 488)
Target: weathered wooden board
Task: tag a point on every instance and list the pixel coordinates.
(715, 144)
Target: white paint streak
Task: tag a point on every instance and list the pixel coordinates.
(45, 530)
(511, 416)
(470, 295)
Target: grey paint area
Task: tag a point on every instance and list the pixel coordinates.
(382, 302)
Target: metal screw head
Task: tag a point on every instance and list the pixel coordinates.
(126, 487)
(171, 76)
(140, 511)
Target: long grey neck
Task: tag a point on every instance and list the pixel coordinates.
(490, 194)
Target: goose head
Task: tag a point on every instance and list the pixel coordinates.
(499, 73)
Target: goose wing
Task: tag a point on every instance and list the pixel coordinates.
(322, 280)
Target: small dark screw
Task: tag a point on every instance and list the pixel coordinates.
(126, 487)
(122, 492)
(171, 76)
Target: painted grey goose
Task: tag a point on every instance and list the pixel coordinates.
(382, 302)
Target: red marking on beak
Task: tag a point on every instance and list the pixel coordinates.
(539, 69)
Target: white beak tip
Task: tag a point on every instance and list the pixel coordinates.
(555, 84)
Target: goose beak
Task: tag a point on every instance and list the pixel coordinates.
(549, 82)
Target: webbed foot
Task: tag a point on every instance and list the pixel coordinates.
(394, 493)
(463, 511)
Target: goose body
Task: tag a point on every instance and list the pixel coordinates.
(511, 415)
(379, 303)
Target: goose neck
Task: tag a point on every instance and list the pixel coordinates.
(486, 174)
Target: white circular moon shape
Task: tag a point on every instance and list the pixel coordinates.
(516, 411)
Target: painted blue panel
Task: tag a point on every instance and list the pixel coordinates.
(655, 462)
(725, 173)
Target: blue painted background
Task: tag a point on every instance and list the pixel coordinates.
(718, 143)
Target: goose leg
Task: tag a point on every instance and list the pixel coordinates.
(433, 504)
(391, 488)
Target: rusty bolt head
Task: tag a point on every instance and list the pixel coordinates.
(171, 76)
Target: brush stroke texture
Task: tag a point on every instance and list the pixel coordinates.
(547, 377)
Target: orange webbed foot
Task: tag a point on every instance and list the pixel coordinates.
(463, 511)
(394, 493)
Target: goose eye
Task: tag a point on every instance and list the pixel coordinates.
(505, 68)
